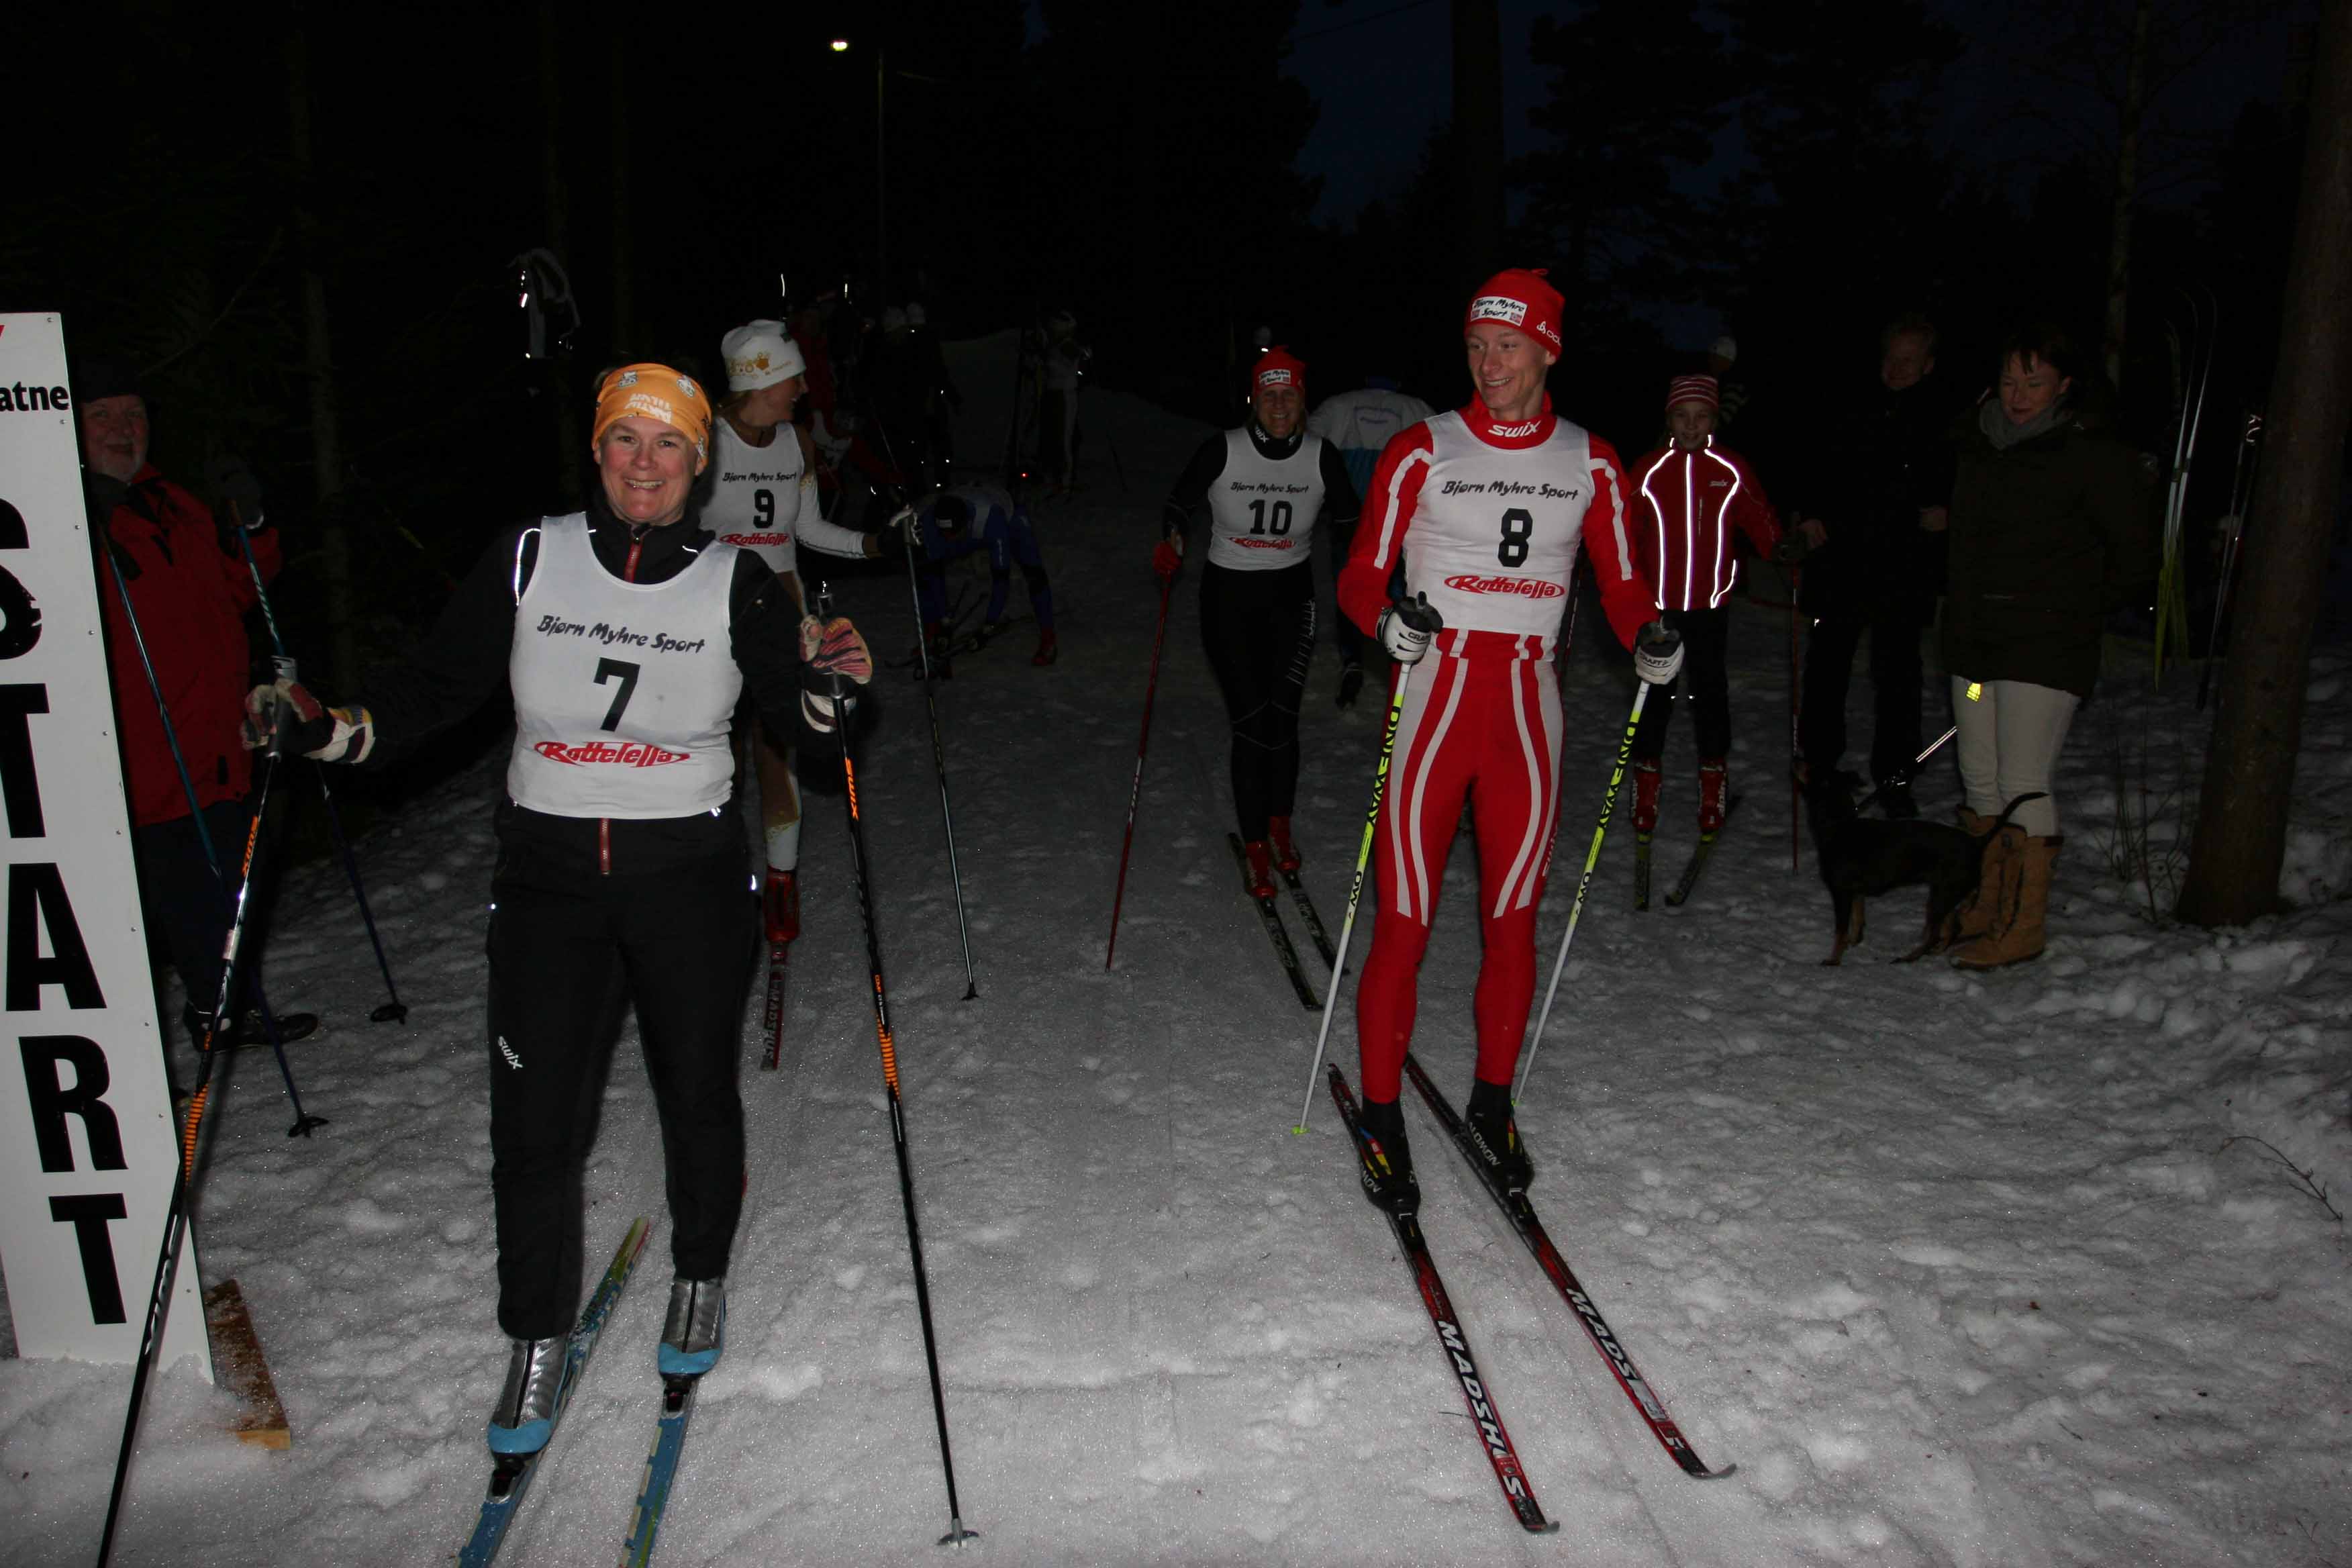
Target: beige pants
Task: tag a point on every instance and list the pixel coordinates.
(2010, 734)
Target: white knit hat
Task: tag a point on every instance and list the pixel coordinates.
(759, 354)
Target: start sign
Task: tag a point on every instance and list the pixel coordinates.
(87, 1143)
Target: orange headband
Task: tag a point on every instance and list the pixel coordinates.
(655, 391)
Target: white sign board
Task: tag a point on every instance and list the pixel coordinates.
(87, 1143)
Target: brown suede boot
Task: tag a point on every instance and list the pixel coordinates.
(2018, 933)
(1976, 917)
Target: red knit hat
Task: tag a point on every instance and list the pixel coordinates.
(1519, 298)
(1694, 389)
(1279, 367)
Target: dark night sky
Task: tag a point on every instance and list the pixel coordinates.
(1381, 75)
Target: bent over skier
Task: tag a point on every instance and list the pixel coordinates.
(1266, 487)
(1485, 507)
(625, 637)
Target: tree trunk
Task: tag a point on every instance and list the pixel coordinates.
(1478, 135)
(319, 367)
(624, 346)
(2119, 231)
(2240, 842)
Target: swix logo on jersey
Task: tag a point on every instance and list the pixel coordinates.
(622, 753)
(1499, 308)
(1525, 587)
(1513, 432)
(507, 1051)
(755, 540)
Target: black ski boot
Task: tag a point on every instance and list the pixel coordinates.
(1387, 1163)
(1351, 682)
(1496, 1136)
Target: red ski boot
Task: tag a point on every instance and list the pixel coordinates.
(780, 905)
(1646, 780)
(1261, 870)
(1714, 775)
(1048, 650)
(1285, 853)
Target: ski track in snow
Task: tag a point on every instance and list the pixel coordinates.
(1956, 1269)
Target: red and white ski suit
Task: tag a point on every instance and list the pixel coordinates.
(1689, 503)
(1486, 518)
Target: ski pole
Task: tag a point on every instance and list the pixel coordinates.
(1585, 883)
(1356, 887)
(940, 763)
(2242, 495)
(184, 1169)
(1796, 717)
(938, 742)
(957, 1534)
(1135, 791)
(394, 1011)
(303, 1121)
(1933, 746)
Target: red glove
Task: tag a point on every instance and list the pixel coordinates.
(835, 648)
(1167, 557)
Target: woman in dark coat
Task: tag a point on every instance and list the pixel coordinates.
(2050, 531)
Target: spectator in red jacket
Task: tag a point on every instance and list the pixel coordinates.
(1690, 494)
(189, 588)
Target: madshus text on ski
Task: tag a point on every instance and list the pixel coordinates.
(663, 660)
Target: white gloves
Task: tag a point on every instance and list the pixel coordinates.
(1658, 653)
(1406, 627)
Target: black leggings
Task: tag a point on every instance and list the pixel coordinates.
(1705, 683)
(565, 943)
(1893, 622)
(1259, 627)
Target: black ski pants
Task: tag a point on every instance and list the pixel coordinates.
(565, 942)
(1705, 683)
(184, 902)
(1259, 627)
(1893, 621)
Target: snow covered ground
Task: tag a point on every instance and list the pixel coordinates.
(1959, 1270)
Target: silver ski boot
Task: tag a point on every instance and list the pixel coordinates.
(526, 1411)
(695, 1329)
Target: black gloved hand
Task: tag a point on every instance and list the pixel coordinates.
(1791, 550)
(234, 485)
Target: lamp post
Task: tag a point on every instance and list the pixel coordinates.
(881, 164)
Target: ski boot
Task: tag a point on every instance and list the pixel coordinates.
(1048, 650)
(525, 1415)
(1646, 780)
(695, 1329)
(1285, 853)
(1495, 1135)
(1387, 1165)
(1261, 870)
(1352, 683)
(781, 906)
(1714, 775)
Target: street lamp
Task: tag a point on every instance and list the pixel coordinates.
(881, 206)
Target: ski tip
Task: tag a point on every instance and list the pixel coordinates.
(1544, 1527)
(1715, 1475)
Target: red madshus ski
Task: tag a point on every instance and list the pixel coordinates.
(1272, 921)
(1522, 1216)
(779, 954)
(1508, 1472)
(1689, 879)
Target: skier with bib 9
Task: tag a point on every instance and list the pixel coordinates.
(1485, 506)
(625, 637)
(1266, 486)
(762, 496)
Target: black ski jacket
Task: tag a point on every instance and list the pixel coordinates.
(2048, 538)
(1889, 460)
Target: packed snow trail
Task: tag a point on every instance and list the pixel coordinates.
(1955, 1269)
